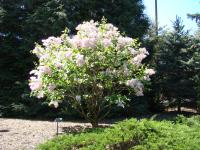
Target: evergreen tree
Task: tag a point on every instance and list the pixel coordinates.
(172, 81)
(195, 60)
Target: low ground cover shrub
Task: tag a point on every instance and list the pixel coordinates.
(134, 134)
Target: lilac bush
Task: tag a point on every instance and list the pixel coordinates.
(91, 70)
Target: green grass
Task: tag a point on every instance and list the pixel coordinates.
(183, 134)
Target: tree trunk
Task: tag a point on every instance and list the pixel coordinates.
(179, 105)
(95, 124)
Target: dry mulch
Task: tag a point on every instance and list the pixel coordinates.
(18, 134)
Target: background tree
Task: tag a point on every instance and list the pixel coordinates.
(194, 61)
(173, 81)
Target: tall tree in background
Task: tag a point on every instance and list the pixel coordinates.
(24, 22)
(126, 14)
(172, 51)
(15, 60)
(195, 60)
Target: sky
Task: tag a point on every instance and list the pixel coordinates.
(168, 9)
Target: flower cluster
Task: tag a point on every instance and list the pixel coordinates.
(136, 85)
(88, 63)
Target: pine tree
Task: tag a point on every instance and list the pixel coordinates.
(173, 72)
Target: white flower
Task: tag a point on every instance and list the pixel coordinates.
(136, 85)
(146, 78)
(75, 41)
(149, 72)
(51, 87)
(132, 51)
(44, 56)
(107, 42)
(59, 54)
(80, 61)
(87, 27)
(54, 103)
(88, 42)
(58, 64)
(132, 83)
(139, 93)
(40, 94)
(52, 41)
(110, 27)
(35, 83)
(38, 51)
(143, 51)
(78, 98)
(138, 59)
(126, 70)
(68, 54)
(120, 104)
(45, 70)
(35, 72)
(124, 41)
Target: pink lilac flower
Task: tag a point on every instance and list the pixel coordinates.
(69, 54)
(149, 72)
(136, 85)
(52, 41)
(107, 42)
(44, 56)
(35, 84)
(75, 41)
(40, 94)
(38, 51)
(35, 72)
(58, 64)
(132, 51)
(143, 51)
(126, 70)
(87, 43)
(45, 70)
(54, 103)
(80, 60)
(87, 26)
(124, 41)
(138, 59)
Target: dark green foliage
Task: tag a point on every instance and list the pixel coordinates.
(195, 17)
(51, 16)
(14, 60)
(24, 22)
(194, 61)
(172, 51)
(133, 134)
